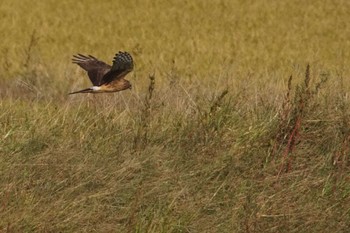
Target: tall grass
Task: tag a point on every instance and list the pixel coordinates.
(237, 120)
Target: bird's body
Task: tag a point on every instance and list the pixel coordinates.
(105, 78)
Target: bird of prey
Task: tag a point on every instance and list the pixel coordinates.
(105, 78)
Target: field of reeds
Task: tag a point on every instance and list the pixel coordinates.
(238, 120)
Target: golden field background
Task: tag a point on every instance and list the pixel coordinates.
(218, 141)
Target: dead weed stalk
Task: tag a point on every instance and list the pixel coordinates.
(291, 117)
(141, 138)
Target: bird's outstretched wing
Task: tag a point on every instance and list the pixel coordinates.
(122, 65)
(96, 69)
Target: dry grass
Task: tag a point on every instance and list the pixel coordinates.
(212, 138)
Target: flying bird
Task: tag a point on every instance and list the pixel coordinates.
(105, 78)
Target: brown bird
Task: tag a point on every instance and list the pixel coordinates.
(106, 78)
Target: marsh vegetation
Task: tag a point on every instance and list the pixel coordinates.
(238, 120)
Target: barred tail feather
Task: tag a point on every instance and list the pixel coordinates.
(87, 90)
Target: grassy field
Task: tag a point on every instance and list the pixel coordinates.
(238, 120)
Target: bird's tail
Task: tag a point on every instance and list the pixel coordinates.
(87, 90)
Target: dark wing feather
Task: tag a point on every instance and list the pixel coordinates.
(96, 69)
(122, 65)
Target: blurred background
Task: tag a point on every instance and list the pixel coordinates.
(197, 39)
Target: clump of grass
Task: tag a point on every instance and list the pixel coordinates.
(340, 158)
(212, 119)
